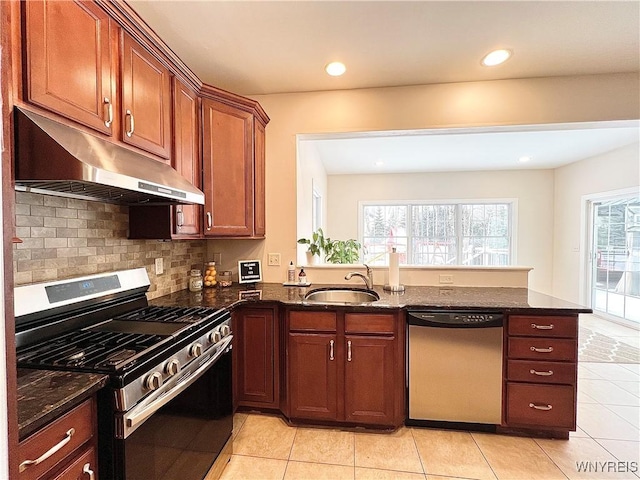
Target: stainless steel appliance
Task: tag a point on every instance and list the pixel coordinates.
(454, 371)
(167, 410)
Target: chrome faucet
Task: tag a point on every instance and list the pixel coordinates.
(368, 278)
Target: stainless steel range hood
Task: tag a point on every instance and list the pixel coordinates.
(56, 159)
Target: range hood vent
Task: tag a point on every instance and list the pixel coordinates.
(56, 159)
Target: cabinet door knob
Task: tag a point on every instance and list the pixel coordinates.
(132, 123)
(546, 408)
(331, 357)
(179, 218)
(109, 106)
(87, 470)
(349, 351)
(209, 220)
(67, 438)
(541, 350)
(542, 327)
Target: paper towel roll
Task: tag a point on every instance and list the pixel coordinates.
(394, 268)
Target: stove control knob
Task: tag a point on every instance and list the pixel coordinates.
(195, 350)
(225, 330)
(215, 337)
(172, 367)
(153, 381)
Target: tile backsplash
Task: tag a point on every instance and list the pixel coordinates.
(64, 238)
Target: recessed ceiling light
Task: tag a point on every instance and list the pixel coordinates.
(335, 69)
(496, 57)
(379, 163)
(524, 159)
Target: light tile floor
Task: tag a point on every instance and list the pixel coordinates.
(607, 441)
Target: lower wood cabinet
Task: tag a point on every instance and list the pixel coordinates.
(256, 360)
(541, 372)
(63, 449)
(346, 367)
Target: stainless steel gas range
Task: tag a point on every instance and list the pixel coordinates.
(167, 410)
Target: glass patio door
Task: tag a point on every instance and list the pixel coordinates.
(615, 272)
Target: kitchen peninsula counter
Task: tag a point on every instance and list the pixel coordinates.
(508, 300)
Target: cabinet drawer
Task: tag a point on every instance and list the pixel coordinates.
(541, 405)
(79, 469)
(369, 323)
(69, 432)
(541, 372)
(543, 349)
(323, 321)
(543, 326)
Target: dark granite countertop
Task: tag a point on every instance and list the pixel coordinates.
(509, 300)
(45, 394)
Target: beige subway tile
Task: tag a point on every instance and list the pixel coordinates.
(22, 255)
(77, 242)
(95, 242)
(45, 274)
(76, 223)
(23, 209)
(87, 251)
(66, 213)
(112, 258)
(43, 232)
(120, 249)
(95, 259)
(96, 206)
(55, 222)
(104, 267)
(77, 204)
(86, 214)
(77, 261)
(55, 242)
(87, 232)
(22, 278)
(23, 232)
(52, 201)
(56, 262)
(29, 221)
(41, 211)
(29, 243)
(29, 198)
(25, 265)
(67, 252)
(66, 232)
(43, 253)
(92, 223)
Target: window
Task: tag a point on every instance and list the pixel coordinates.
(316, 216)
(455, 233)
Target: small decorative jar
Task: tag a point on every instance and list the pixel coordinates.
(195, 281)
(210, 274)
(224, 279)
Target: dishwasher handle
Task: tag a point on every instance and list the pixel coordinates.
(455, 319)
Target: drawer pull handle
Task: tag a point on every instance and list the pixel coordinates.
(180, 218)
(542, 350)
(132, 123)
(542, 374)
(48, 453)
(546, 408)
(331, 357)
(109, 106)
(87, 469)
(349, 351)
(542, 327)
(209, 220)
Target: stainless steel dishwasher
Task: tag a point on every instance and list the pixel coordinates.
(454, 369)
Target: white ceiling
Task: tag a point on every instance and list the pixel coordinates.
(261, 47)
(463, 149)
(264, 47)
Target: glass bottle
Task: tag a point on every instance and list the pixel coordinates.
(210, 274)
(195, 281)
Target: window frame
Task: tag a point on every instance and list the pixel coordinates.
(458, 202)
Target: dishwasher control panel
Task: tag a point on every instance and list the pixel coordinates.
(455, 319)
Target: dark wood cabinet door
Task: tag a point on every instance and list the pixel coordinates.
(69, 61)
(259, 216)
(312, 373)
(186, 157)
(228, 170)
(369, 379)
(146, 100)
(255, 364)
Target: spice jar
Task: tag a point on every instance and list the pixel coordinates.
(224, 279)
(210, 274)
(195, 281)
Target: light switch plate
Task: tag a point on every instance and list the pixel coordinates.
(446, 279)
(159, 266)
(273, 259)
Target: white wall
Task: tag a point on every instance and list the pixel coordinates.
(615, 170)
(503, 102)
(533, 190)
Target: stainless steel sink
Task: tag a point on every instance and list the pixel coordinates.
(342, 295)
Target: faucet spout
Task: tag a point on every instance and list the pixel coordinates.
(368, 278)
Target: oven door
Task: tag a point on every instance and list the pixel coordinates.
(181, 432)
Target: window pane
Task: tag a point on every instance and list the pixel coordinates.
(384, 227)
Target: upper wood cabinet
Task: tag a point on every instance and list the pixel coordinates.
(228, 169)
(69, 61)
(146, 99)
(187, 219)
(259, 214)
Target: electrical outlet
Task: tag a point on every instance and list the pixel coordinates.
(159, 266)
(274, 259)
(448, 279)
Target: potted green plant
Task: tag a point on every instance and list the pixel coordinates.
(344, 251)
(317, 245)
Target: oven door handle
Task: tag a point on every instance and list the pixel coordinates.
(136, 416)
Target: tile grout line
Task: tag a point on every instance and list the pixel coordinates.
(483, 455)
(424, 470)
(535, 442)
(286, 467)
